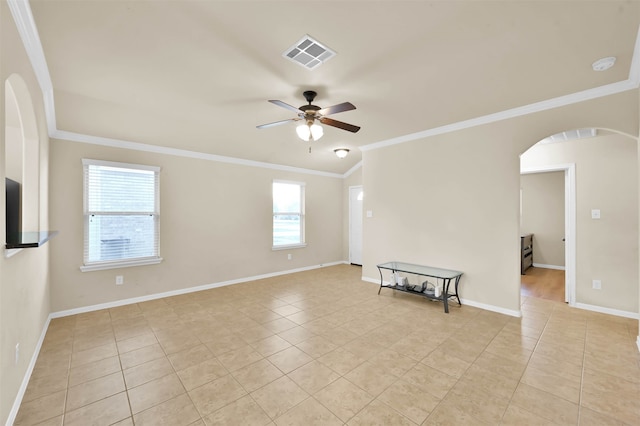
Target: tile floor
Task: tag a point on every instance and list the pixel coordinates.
(321, 347)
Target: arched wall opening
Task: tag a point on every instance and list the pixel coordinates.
(600, 215)
(22, 150)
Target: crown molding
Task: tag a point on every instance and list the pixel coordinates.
(136, 146)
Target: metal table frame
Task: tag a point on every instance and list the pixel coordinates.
(446, 275)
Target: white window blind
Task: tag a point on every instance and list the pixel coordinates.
(288, 214)
(121, 214)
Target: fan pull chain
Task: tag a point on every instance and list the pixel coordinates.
(309, 149)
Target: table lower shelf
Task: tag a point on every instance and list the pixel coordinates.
(419, 293)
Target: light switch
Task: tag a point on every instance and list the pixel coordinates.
(595, 214)
(369, 213)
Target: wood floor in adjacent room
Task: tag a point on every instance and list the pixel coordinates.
(321, 347)
(543, 283)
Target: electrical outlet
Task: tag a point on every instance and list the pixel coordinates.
(597, 284)
(289, 256)
(119, 280)
(17, 353)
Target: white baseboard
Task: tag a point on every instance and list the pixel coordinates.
(155, 296)
(602, 310)
(27, 376)
(638, 343)
(542, 265)
(484, 306)
(492, 308)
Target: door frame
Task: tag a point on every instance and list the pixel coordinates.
(350, 209)
(569, 170)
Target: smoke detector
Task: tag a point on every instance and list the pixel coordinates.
(604, 63)
(309, 53)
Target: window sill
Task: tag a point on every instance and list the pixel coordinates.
(120, 264)
(288, 247)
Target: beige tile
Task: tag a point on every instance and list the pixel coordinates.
(593, 418)
(94, 390)
(93, 340)
(502, 366)
(143, 373)
(222, 344)
(487, 382)
(270, 345)
(371, 378)
(296, 335)
(378, 413)
(190, 357)
(341, 361)
(476, 402)
(343, 398)
(393, 362)
(446, 363)
(364, 348)
(611, 396)
(316, 346)
(409, 400)
(42, 385)
(216, 394)
(41, 409)
(104, 412)
(176, 339)
(562, 387)
(286, 310)
(515, 416)
(545, 405)
(289, 359)
(313, 376)
(174, 412)
(308, 412)
(244, 408)
(93, 354)
(202, 373)
(280, 325)
(256, 375)
(279, 396)
(140, 356)
(126, 422)
(55, 421)
(154, 392)
(253, 334)
(446, 414)
(137, 342)
(432, 381)
(239, 358)
(94, 370)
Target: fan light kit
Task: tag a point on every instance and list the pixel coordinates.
(310, 130)
(341, 152)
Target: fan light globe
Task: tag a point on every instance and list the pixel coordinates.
(309, 132)
(341, 152)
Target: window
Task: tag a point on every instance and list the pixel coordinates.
(288, 214)
(121, 215)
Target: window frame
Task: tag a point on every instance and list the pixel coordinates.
(301, 214)
(87, 265)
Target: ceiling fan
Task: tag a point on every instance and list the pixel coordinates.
(309, 130)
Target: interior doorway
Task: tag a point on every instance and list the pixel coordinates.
(569, 224)
(356, 196)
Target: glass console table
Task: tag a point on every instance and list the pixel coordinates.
(445, 275)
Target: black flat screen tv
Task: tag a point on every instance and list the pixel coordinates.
(12, 210)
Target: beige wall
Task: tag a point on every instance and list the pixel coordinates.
(606, 249)
(24, 278)
(543, 215)
(452, 200)
(216, 224)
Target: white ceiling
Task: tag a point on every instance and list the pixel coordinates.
(196, 75)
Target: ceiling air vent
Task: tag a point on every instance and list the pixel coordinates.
(309, 53)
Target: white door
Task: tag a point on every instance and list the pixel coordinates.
(355, 225)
